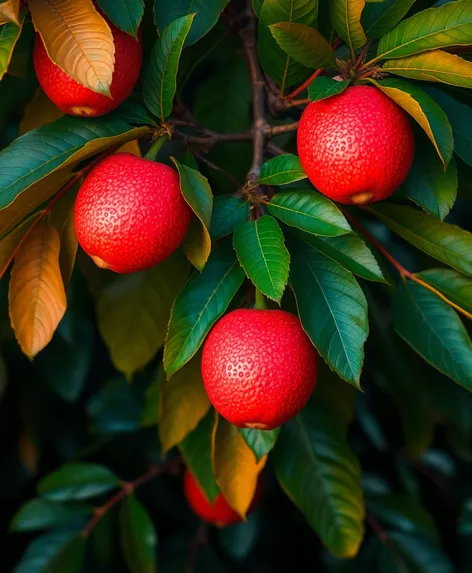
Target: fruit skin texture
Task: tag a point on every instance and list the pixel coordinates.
(130, 214)
(219, 513)
(75, 99)
(259, 367)
(356, 147)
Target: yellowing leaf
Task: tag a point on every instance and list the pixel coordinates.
(131, 147)
(183, 403)
(9, 34)
(9, 243)
(77, 39)
(36, 295)
(235, 466)
(9, 11)
(39, 111)
(346, 19)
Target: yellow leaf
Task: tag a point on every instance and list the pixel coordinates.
(183, 403)
(235, 466)
(9, 243)
(131, 147)
(36, 294)
(77, 39)
(9, 11)
(38, 112)
(63, 219)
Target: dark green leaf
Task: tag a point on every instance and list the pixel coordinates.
(138, 536)
(9, 34)
(263, 255)
(261, 442)
(281, 170)
(324, 87)
(41, 514)
(465, 525)
(309, 211)
(76, 481)
(160, 77)
(228, 212)
(201, 302)
(333, 310)
(238, 540)
(379, 18)
(70, 557)
(447, 243)
(125, 14)
(455, 286)
(433, 329)
(40, 553)
(150, 413)
(346, 18)
(417, 554)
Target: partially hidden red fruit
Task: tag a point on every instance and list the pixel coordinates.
(219, 513)
(356, 147)
(259, 367)
(130, 214)
(75, 99)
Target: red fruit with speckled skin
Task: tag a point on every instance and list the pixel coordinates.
(356, 147)
(75, 99)
(259, 367)
(130, 214)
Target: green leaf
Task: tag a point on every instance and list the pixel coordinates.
(41, 552)
(455, 286)
(433, 329)
(197, 193)
(206, 13)
(443, 241)
(228, 212)
(9, 34)
(332, 309)
(448, 25)
(349, 251)
(418, 554)
(133, 312)
(324, 87)
(238, 540)
(138, 536)
(465, 525)
(304, 44)
(40, 514)
(275, 62)
(424, 110)
(281, 170)
(76, 481)
(346, 19)
(381, 17)
(309, 211)
(261, 442)
(261, 250)
(201, 302)
(160, 76)
(318, 471)
(70, 557)
(125, 14)
(196, 451)
(429, 186)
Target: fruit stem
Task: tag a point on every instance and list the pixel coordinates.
(260, 302)
(362, 55)
(156, 147)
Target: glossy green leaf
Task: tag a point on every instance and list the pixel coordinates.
(9, 34)
(70, 557)
(228, 212)
(379, 18)
(41, 552)
(434, 330)
(448, 25)
(40, 514)
(261, 250)
(429, 186)
(332, 309)
(304, 44)
(455, 286)
(197, 192)
(309, 211)
(324, 87)
(138, 536)
(281, 170)
(198, 306)
(160, 76)
(125, 14)
(76, 481)
(443, 241)
(261, 442)
(417, 554)
(346, 19)
(206, 13)
(318, 471)
(196, 451)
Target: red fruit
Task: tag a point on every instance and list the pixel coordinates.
(219, 513)
(259, 367)
(356, 147)
(130, 213)
(75, 99)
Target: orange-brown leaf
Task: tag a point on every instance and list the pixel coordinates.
(9, 11)
(40, 111)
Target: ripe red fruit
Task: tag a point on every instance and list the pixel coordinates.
(356, 147)
(219, 513)
(259, 367)
(130, 213)
(75, 99)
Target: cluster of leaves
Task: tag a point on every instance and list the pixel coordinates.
(257, 221)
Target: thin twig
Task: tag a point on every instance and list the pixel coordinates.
(211, 137)
(203, 159)
(304, 85)
(273, 130)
